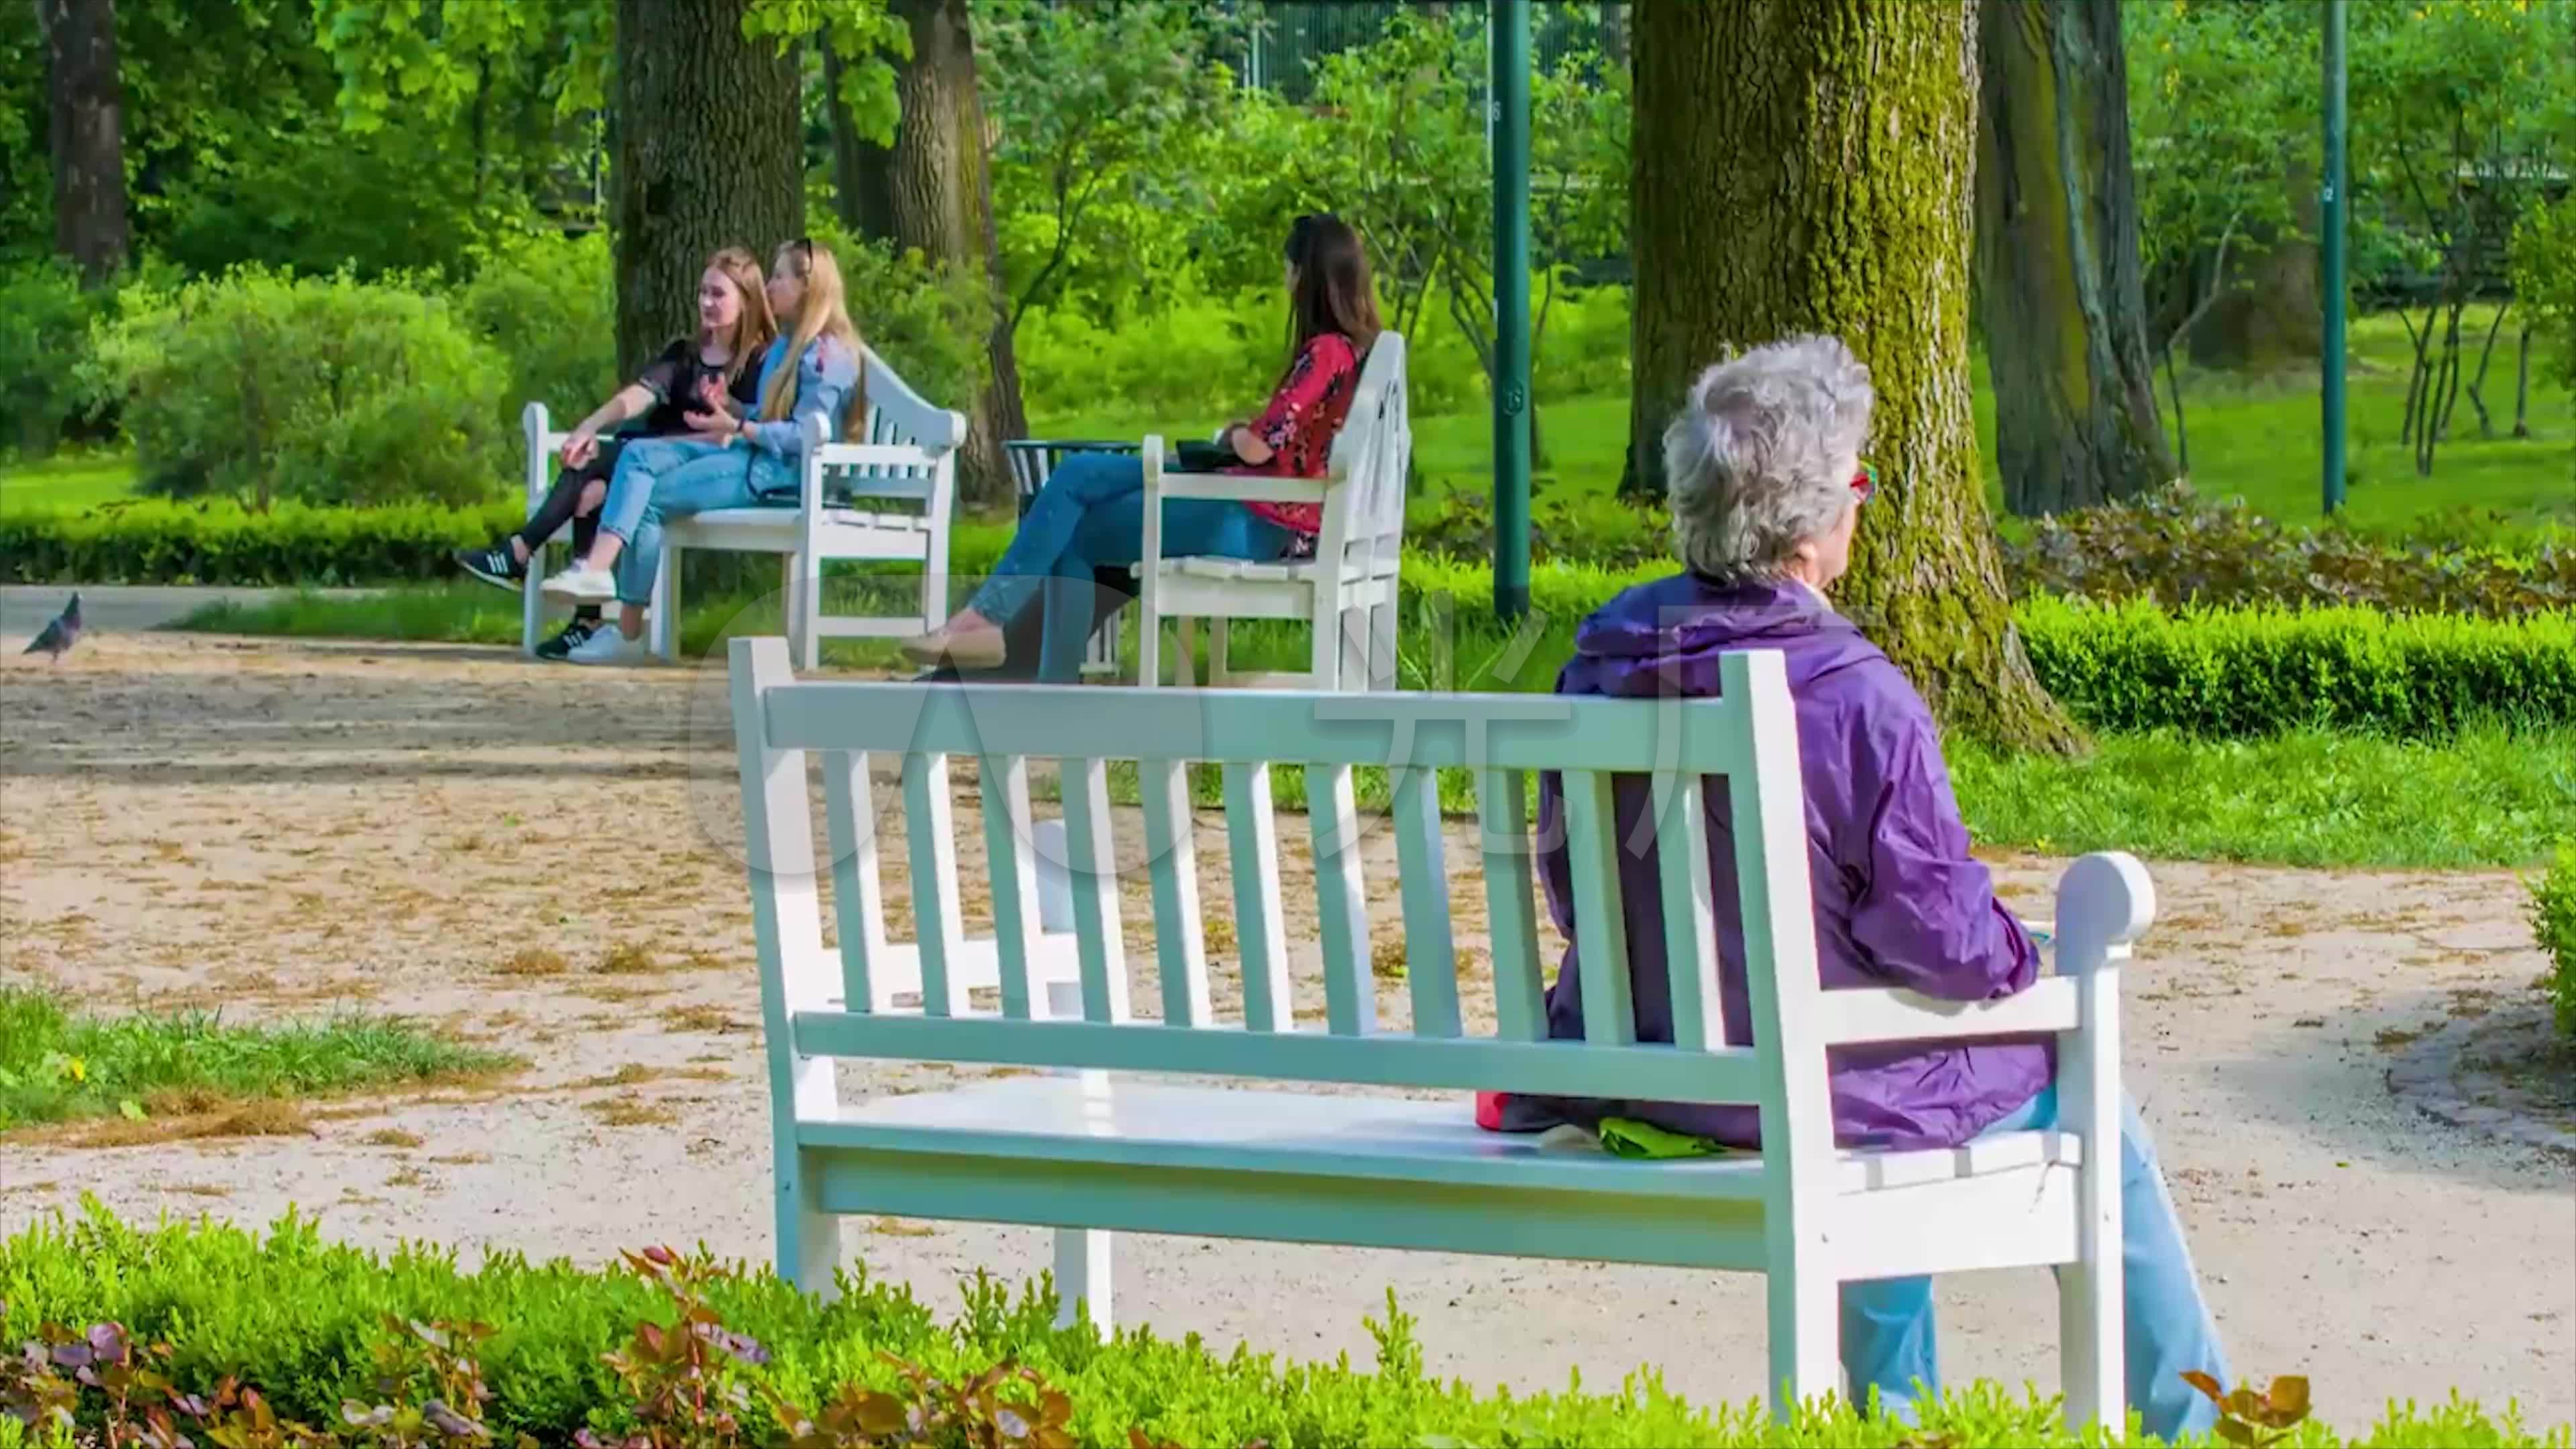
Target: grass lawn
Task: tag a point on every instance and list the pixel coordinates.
(2487, 798)
(2255, 438)
(58, 1064)
(75, 480)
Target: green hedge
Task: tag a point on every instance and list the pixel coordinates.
(2238, 673)
(159, 541)
(303, 1321)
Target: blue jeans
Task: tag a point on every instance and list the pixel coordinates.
(1091, 513)
(664, 478)
(1887, 1337)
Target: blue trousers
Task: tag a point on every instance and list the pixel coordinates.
(1091, 513)
(1887, 1333)
(664, 478)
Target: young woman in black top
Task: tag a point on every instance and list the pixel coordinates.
(734, 325)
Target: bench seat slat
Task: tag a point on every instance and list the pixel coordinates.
(1052, 1118)
(1564, 1069)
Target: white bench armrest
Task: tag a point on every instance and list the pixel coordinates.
(1238, 487)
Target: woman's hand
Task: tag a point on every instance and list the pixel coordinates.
(717, 421)
(1247, 444)
(579, 448)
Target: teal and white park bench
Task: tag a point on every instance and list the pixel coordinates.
(889, 499)
(1065, 1146)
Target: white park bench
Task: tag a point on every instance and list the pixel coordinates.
(1347, 591)
(1068, 1149)
(887, 500)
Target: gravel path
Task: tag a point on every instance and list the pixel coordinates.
(284, 827)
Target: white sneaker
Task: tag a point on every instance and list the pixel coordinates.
(606, 645)
(582, 586)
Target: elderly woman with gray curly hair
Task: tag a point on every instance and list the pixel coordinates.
(1767, 487)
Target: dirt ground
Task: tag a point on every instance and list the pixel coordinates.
(284, 828)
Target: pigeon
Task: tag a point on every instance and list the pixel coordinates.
(59, 632)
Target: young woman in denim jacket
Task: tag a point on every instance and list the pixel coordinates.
(733, 329)
(734, 462)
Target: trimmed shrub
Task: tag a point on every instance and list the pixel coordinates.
(321, 390)
(2553, 922)
(160, 541)
(2242, 673)
(315, 1326)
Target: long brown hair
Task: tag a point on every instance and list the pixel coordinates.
(824, 312)
(1332, 292)
(753, 326)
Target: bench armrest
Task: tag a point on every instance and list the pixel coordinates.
(1238, 487)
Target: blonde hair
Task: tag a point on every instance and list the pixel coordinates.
(822, 313)
(753, 326)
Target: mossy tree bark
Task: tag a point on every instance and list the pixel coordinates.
(87, 130)
(709, 155)
(1829, 192)
(2058, 277)
(941, 180)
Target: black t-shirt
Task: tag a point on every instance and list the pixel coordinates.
(674, 378)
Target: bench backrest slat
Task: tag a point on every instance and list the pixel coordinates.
(937, 928)
(1260, 936)
(1172, 864)
(1091, 862)
(1011, 862)
(1430, 947)
(1690, 912)
(1591, 827)
(858, 892)
(1746, 739)
(1511, 908)
(1341, 901)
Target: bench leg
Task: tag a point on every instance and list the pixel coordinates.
(809, 1242)
(665, 623)
(1084, 1269)
(532, 601)
(1806, 1361)
(1149, 648)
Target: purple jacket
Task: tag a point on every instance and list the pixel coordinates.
(1899, 901)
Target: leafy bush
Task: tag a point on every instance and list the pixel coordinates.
(2177, 549)
(44, 339)
(2553, 922)
(928, 322)
(549, 305)
(666, 1350)
(318, 389)
(2244, 673)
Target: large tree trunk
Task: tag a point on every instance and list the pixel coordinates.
(708, 155)
(942, 194)
(2064, 305)
(87, 133)
(1830, 193)
(862, 170)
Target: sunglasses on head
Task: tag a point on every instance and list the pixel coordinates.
(1864, 484)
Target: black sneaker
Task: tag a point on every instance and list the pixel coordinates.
(574, 634)
(496, 565)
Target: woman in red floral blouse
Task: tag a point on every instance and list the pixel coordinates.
(1092, 510)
